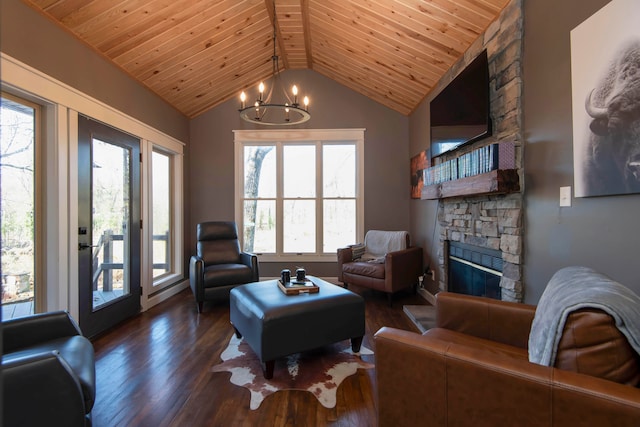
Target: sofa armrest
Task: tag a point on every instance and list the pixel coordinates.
(41, 389)
(345, 255)
(495, 320)
(27, 331)
(579, 398)
(420, 377)
(251, 261)
(409, 380)
(402, 268)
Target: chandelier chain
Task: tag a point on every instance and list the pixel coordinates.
(268, 111)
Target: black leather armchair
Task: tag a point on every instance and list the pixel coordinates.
(48, 372)
(219, 264)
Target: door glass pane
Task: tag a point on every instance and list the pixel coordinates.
(339, 224)
(299, 165)
(17, 203)
(339, 170)
(161, 215)
(299, 226)
(111, 183)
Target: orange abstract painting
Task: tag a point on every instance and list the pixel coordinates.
(419, 162)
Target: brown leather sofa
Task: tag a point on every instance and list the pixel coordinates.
(393, 271)
(473, 369)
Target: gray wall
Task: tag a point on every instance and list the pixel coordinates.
(35, 40)
(600, 233)
(387, 185)
(424, 213)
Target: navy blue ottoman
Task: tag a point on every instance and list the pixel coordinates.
(276, 325)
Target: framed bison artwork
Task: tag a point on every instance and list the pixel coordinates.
(419, 162)
(605, 77)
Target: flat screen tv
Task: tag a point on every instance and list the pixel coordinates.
(460, 112)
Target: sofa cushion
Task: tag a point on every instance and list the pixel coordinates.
(363, 268)
(574, 288)
(218, 275)
(592, 345)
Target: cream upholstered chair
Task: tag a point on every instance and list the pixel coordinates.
(386, 262)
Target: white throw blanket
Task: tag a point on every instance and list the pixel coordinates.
(571, 289)
(378, 243)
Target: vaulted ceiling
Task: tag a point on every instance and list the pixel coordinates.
(196, 54)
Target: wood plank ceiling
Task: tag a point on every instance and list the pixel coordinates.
(197, 54)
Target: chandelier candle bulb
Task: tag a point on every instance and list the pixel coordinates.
(294, 90)
(306, 102)
(243, 98)
(261, 90)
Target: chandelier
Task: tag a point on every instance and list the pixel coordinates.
(277, 108)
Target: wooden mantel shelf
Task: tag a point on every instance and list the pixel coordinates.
(495, 182)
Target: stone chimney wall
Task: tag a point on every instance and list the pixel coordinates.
(494, 221)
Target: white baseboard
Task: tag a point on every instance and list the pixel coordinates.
(162, 296)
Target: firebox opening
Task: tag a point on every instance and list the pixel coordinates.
(473, 270)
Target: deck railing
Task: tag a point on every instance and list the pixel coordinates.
(107, 266)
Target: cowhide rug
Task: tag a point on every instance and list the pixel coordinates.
(319, 372)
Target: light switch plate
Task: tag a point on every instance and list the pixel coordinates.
(565, 196)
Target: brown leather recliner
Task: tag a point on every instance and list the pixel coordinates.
(388, 271)
(473, 369)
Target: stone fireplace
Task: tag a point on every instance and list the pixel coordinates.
(492, 222)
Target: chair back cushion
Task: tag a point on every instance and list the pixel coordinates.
(379, 243)
(217, 242)
(591, 344)
(574, 288)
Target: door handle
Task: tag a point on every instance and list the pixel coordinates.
(82, 246)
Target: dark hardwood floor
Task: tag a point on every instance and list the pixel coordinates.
(155, 370)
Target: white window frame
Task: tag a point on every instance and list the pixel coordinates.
(153, 290)
(283, 137)
(61, 105)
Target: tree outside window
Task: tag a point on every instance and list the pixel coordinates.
(17, 200)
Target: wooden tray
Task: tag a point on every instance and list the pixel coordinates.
(298, 287)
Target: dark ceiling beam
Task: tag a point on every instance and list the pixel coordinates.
(306, 28)
(270, 5)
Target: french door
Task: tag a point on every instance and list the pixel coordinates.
(109, 226)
